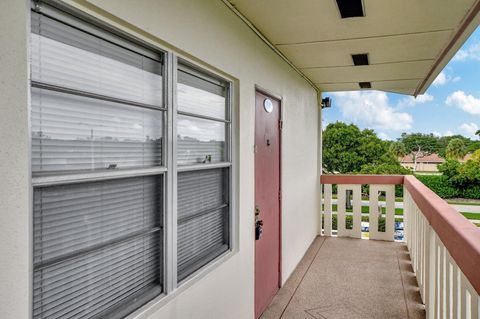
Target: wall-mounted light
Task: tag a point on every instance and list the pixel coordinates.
(326, 102)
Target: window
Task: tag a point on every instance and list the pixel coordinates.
(97, 108)
(203, 159)
(104, 164)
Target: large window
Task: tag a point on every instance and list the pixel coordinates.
(104, 169)
(203, 159)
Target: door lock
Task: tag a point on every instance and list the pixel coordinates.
(258, 223)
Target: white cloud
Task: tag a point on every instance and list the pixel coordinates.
(410, 101)
(470, 53)
(442, 79)
(468, 103)
(384, 136)
(371, 109)
(438, 134)
(469, 128)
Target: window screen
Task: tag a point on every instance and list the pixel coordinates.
(203, 140)
(97, 107)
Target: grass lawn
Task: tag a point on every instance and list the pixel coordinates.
(365, 210)
(381, 198)
(475, 216)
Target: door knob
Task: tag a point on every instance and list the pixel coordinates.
(258, 223)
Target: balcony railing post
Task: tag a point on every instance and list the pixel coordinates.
(430, 275)
(327, 210)
(356, 231)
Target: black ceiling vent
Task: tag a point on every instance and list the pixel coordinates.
(350, 8)
(360, 59)
(365, 85)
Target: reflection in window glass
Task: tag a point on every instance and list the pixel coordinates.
(196, 101)
(57, 63)
(71, 132)
(200, 141)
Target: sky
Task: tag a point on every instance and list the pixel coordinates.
(451, 105)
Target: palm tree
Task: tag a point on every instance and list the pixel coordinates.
(456, 149)
(477, 133)
(397, 149)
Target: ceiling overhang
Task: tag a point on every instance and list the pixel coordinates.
(407, 42)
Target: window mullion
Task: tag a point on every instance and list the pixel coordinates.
(171, 215)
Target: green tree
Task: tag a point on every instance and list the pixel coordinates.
(419, 145)
(456, 149)
(477, 133)
(476, 156)
(346, 148)
(449, 168)
(397, 149)
(445, 140)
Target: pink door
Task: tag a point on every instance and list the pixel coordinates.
(267, 200)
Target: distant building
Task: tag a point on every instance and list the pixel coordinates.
(427, 163)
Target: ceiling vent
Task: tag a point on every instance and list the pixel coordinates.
(350, 8)
(365, 85)
(360, 59)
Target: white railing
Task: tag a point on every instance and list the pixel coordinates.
(381, 204)
(444, 247)
(444, 288)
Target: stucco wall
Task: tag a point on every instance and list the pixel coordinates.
(422, 167)
(209, 33)
(14, 162)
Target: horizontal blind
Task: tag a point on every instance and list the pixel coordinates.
(200, 141)
(96, 244)
(202, 218)
(71, 132)
(67, 57)
(199, 96)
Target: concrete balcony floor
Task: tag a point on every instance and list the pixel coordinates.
(342, 278)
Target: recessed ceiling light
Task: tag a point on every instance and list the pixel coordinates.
(365, 85)
(360, 59)
(350, 8)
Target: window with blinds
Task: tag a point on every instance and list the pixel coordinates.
(96, 108)
(102, 192)
(203, 159)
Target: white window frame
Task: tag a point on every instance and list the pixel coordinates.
(169, 169)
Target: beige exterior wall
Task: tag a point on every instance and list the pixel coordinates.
(14, 162)
(422, 167)
(209, 34)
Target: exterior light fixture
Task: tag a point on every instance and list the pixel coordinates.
(326, 102)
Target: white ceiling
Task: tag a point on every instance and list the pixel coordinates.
(403, 38)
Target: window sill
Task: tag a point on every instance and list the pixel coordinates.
(156, 304)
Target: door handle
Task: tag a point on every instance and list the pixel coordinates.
(258, 223)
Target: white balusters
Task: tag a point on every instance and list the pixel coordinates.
(327, 210)
(356, 231)
(376, 211)
(445, 290)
